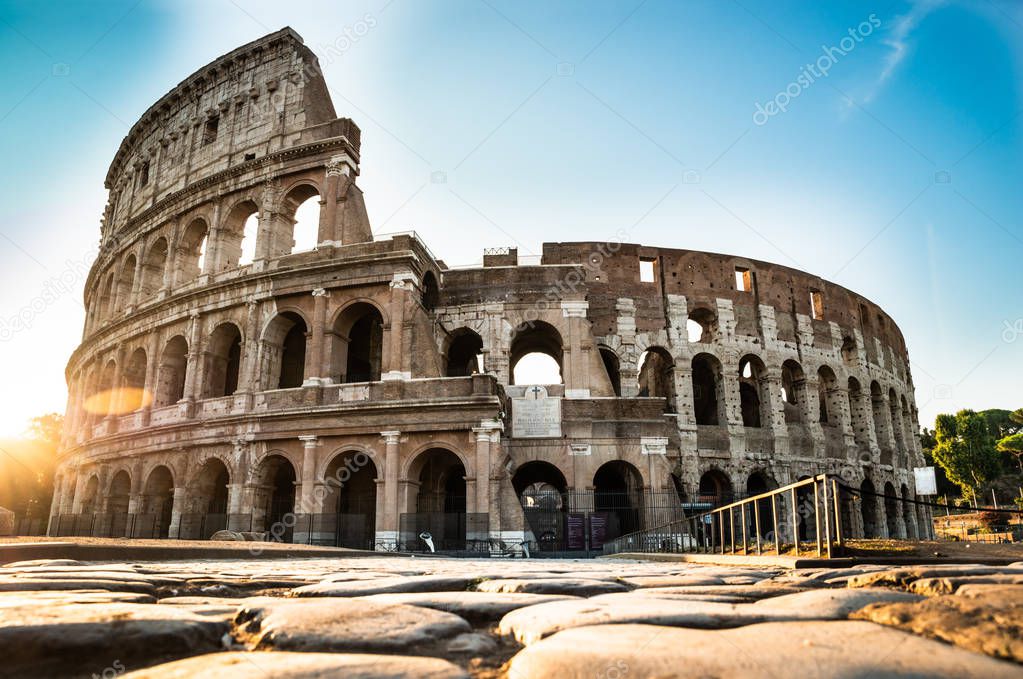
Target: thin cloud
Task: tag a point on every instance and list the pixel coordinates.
(899, 39)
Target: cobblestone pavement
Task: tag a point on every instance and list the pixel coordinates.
(435, 617)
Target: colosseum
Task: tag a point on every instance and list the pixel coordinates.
(247, 365)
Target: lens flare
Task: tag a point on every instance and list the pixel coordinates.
(118, 401)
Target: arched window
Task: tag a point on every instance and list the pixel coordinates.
(358, 347)
(465, 354)
(828, 397)
(849, 353)
(238, 236)
(793, 391)
(618, 491)
(157, 505)
(285, 338)
(702, 325)
(133, 392)
(170, 376)
(107, 297)
(715, 488)
(304, 202)
(192, 251)
(431, 291)
(751, 389)
(275, 497)
(878, 408)
(536, 354)
(895, 412)
(612, 367)
(707, 389)
(223, 361)
(657, 376)
(153, 268)
(125, 283)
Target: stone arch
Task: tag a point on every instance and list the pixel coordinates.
(708, 396)
(284, 345)
(357, 354)
(753, 397)
(868, 509)
(895, 414)
(879, 412)
(909, 513)
(657, 376)
(860, 424)
(612, 366)
(850, 353)
(715, 488)
(192, 251)
(758, 483)
(208, 488)
(274, 497)
(350, 497)
(126, 283)
(431, 291)
(154, 267)
(540, 488)
(170, 375)
(464, 354)
(118, 498)
(133, 394)
(618, 491)
(793, 391)
(222, 361)
(891, 510)
(829, 399)
(90, 495)
(239, 232)
(301, 207)
(157, 503)
(106, 297)
(701, 326)
(536, 339)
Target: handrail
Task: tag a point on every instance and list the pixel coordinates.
(707, 531)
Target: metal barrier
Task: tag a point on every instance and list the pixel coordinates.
(807, 511)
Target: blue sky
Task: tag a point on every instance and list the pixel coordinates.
(898, 174)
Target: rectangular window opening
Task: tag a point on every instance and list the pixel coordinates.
(743, 279)
(144, 174)
(209, 133)
(816, 305)
(647, 270)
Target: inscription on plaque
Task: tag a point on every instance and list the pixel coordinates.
(536, 415)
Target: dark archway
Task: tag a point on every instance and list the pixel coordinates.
(223, 361)
(464, 354)
(351, 481)
(157, 504)
(540, 487)
(891, 511)
(618, 493)
(706, 389)
(285, 340)
(751, 384)
(278, 498)
(170, 376)
(759, 483)
(431, 291)
(612, 366)
(793, 391)
(208, 497)
(715, 489)
(868, 509)
(359, 343)
(117, 504)
(440, 503)
(657, 376)
(532, 343)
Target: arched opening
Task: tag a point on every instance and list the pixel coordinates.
(126, 282)
(706, 390)
(103, 400)
(285, 342)
(701, 325)
(238, 235)
(305, 201)
(192, 251)
(715, 489)
(358, 344)
(536, 355)
(170, 375)
(465, 354)
(351, 482)
(859, 420)
(657, 376)
(868, 509)
(879, 411)
(849, 352)
(891, 511)
(751, 385)
(431, 291)
(895, 413)
(223, 361)
(612, 367)
(89, 496)
(117, 504)
(208, 496)
(540, 487)
(276, 497)
(157, 505)
(805, 511)
(759, 483)
(133, 395)
(793, 391)
(828, 397)
(440, 503)
(107, 297)
(153, 268)
(618, 494)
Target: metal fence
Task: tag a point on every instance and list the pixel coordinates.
(804, 517)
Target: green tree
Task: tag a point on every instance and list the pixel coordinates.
(1013, 445)
(1001, 423)
(966, 451)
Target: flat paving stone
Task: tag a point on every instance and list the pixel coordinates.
(77, 639)
(346, 625)
(352, 588)
(241, 665)
(33, 584)
(36, 598)
(476, 607)
(986, 621)
(672, 581)
(812, 650)
(570, 586)
(937, 586)
(530, 625)
(903, 576)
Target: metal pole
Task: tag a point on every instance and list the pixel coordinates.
(731, 530)
(827, 513)
(795, 522)
(756, 522)
(774, 520)
(838, 512)
(745, 543)
(817, 517)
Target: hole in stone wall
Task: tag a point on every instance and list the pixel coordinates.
(647, 271)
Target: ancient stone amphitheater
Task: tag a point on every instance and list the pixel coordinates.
(247, 366)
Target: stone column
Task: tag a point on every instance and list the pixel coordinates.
(339, 172)
(192, 385)
(136, 283)
(388, 520)
(315, 363)
(114, 408)
(575, 369)
(628, 372)
(177, 509)
(397, 360)
(305, 506)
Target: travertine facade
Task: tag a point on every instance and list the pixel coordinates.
(367, 381)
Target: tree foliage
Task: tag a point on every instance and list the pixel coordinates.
(1013, 445)
(27, 466)
(965, 450)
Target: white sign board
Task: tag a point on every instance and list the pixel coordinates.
(926, 484)
(536, 416)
